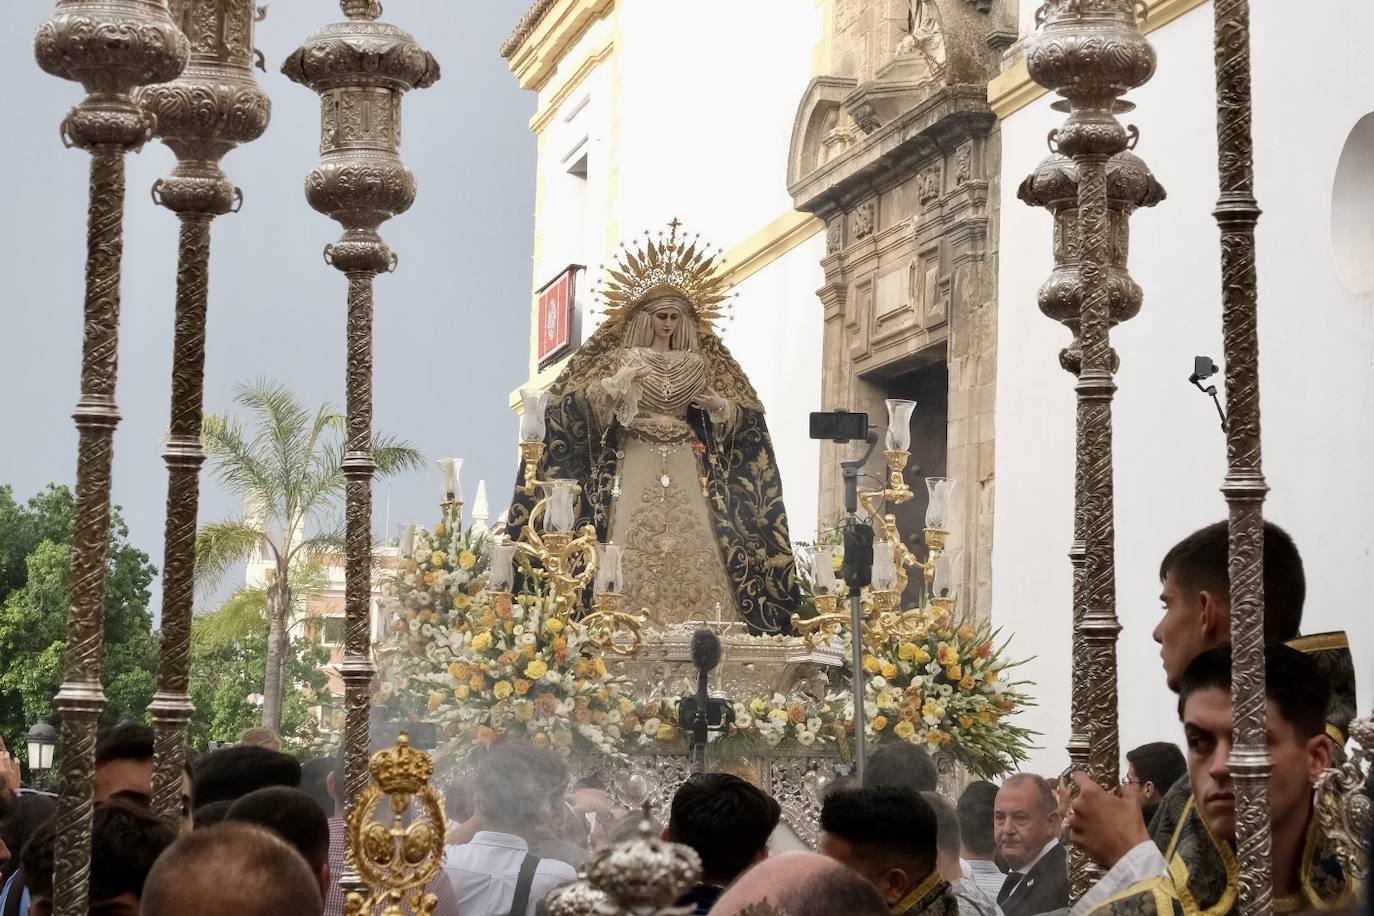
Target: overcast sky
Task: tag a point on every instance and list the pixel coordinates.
(452, 323)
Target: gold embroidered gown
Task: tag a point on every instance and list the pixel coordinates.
(659, 513)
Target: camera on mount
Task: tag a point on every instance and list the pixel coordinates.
(839, 425)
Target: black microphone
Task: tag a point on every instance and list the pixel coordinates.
(705, 656)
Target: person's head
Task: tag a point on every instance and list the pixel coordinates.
(552, 773)
(1151, 770)
(232, 869)
(459, 802)
(213, 813)
(948, 841)
(28, 812)
(230, 773)
(886, 834)
(510, 797)
(1025, 818)
(663, 321)
(1196, 593)
(975, 820)
(293, 816)
(801, 884)
(665, 316)
(124, 769)
(900, 764)
(261, 737)
(726, 820)
(1297, 694)
(315, 782)
(125, 842)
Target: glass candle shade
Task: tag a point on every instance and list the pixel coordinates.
(823, 569)
(502, 576)
(884, 567)
(535, 403)
(451, 470)
(405, 543)
(610, 573)
(941, 505)
(949, 573)
(899, 424)
(559, 516)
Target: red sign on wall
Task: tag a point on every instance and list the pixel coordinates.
(557, 315)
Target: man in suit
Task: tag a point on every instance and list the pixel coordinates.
(1026, 827)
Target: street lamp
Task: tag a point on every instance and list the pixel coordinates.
(42, 740)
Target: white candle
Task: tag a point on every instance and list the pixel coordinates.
(610, 575)
(534, 402)
(502, 577)
(450, 472)
(884, 566)
(823, 569)
(899, 424)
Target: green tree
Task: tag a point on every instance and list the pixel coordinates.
(35, 565)
(288, 469)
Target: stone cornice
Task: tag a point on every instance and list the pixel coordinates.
(545, 35)
(1013, 89)
(584, 69)
(896, 151)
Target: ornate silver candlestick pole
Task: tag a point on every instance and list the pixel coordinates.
(1237, 214)
(361, 68)
(1092, 54)
(212, 107)
(110, 47)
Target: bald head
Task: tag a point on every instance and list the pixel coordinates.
(802, 884)
(233, 869)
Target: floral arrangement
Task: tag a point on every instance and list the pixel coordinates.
(771, 719)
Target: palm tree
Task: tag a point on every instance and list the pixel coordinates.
(289, 471)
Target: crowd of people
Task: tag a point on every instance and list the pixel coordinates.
(262, 833)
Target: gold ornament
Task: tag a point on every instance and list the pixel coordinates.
(396, 862)
(663, 266)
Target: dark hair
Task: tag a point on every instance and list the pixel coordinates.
(725, 819)
(211, 814)
(460, 802)
(892, 818)
(509, 793)
(232, 772)
(1159, 762)
(831, 891)
(315, 782)
(234, 868)
(292, 815)
(30, 811)
(125, 842)
(900, 765)
(1293, 683)
(975, 817)
(1044, 789)
(947, 835)
(1200, 561)
(125, 741)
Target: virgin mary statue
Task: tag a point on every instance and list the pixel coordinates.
(660, 426)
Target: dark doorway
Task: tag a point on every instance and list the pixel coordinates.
(928, 386)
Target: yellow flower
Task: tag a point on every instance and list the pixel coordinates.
(488, 620)
(502, 689)
(536, 669)
(955, 673)
(458, 669)
(598, 667)
(779, 714)
(836, 562)
(540, 740)
(482, 641)
(477, 681)
(967, 683)
(582, 702)
(462, 601)
(889, 671)
(437, 558)
(429, 579)
(885, 699)
(553, 625)
(987, 716)
(880, 723)
(967, 633)
(947, 654)
(627, 706)
(907, 651)
(440, 530)
(467, 559)
(666, 732)
(991, 677)
(436, 699)
(462, 692)
(757, 706)
(921, 657)
(562, 738)
(524, 710)
(522, 686)
(872, 665)
(966, 721)
(933, 709)
(905, 730)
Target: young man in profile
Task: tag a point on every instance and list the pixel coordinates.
(1199, 873)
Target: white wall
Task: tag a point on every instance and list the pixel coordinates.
(1315, 351)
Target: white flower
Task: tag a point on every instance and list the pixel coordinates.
(519, 630)
(552, 677)
(813, 724)
(773, 739)
(743, 720)
(525, 639)
(946, 690)
(806, 738)
(613, 732)
(877, 682)
(650, 726)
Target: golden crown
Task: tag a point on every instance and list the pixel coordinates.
(665, 264)
(401, 770)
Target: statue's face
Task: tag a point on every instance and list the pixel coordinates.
(664, 316)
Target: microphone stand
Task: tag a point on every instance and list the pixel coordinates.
(700, 723)
(851, 472)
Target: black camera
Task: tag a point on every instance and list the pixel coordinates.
(719, 712)
(839, 425)
(857, 567)
(1203, 368)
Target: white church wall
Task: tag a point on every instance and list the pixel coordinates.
(776, 336)
(1315, 355)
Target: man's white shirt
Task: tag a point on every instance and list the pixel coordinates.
(1142, 863)
(485, 870)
